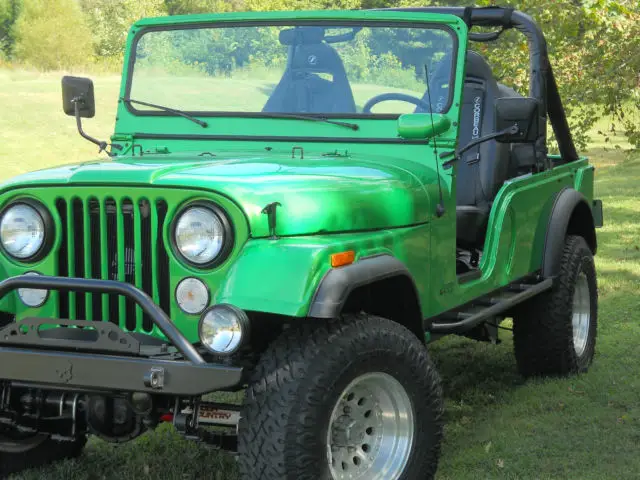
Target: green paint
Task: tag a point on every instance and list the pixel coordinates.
(379, 198)
(415, 126)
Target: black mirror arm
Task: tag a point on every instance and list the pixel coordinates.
(512, 130)
(101, 144)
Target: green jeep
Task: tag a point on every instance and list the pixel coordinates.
(295, 204)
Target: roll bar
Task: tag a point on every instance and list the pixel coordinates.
(543, 84)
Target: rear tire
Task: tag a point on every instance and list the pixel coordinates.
(305, 414)
(18, 455)
(555, 333)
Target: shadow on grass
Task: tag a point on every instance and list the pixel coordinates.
(475, 374)
(267, 89)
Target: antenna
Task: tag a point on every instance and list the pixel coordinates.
(440, 207)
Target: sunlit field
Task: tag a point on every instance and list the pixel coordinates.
(242, 92)
(498, 425)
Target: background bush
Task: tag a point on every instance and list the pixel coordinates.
(52, 35)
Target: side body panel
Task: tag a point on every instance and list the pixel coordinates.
(515, 238)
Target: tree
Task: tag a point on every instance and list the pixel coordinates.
(52, 35)
(302, 4)
(110, 21)
(9, 10)
(183, 7)
(594, 49)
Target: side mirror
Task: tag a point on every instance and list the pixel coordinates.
(521, 112)
(78, 101)
(422, 126)
(78, 91)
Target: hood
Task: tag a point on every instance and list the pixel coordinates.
(317, 194)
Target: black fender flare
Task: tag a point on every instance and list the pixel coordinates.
(570, 214)
(338, 283)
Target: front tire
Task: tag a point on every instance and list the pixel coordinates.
(357, 399)
(18, 452)
(555, 333)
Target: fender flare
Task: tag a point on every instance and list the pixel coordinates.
(335, 287)
(567, 202)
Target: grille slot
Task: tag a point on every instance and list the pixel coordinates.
(114, 239)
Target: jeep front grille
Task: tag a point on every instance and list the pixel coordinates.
(113, 239)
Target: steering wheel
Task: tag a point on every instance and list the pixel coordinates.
(385, 97)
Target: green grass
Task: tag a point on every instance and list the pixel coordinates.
(244, 91)
(498, 425)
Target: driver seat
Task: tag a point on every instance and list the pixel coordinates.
(304, 87)
(483, 169)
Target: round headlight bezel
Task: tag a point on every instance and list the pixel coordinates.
(48, 224)
(228, 232)
(243, 322)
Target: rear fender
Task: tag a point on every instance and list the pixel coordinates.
(570, 215)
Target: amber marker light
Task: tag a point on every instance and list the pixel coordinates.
(343, 258)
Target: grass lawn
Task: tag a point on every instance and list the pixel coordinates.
(498, 425)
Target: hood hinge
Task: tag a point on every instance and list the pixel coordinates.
(125, 141)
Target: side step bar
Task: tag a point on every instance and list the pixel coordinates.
(467, 321)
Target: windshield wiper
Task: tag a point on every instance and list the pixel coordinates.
(180, 113)
(352, 126)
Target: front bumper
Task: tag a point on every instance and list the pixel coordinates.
(101, 356)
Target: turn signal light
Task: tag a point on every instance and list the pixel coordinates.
(343, 258)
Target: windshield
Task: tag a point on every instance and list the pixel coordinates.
(335, 70)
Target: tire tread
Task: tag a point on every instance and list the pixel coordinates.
(542, 330)
(278, 407)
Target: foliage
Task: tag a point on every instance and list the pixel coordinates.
(52, 35)
(595, 75)
(110, 21)
(9, 10)
(262, 5)
(183, 7)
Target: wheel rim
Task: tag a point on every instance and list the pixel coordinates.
(581, 314)
(371, 430)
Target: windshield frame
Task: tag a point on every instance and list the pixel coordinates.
(287, 23)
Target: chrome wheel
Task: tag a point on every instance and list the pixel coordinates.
(581, 314)
(371, 430)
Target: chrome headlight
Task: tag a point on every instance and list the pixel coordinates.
(223, 329)
(24, 230)
(202, 235)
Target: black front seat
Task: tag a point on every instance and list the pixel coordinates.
(303, 87)
(483, 169)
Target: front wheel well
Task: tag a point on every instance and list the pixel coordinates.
(393, 298)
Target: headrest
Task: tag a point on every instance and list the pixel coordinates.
(309, 35)
(316, 58)
(477, 66)
(301, 35)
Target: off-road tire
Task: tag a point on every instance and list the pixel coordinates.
(543, 330)
(47, 452)
(287, 407)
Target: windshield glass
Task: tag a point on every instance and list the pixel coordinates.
(305, 69)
